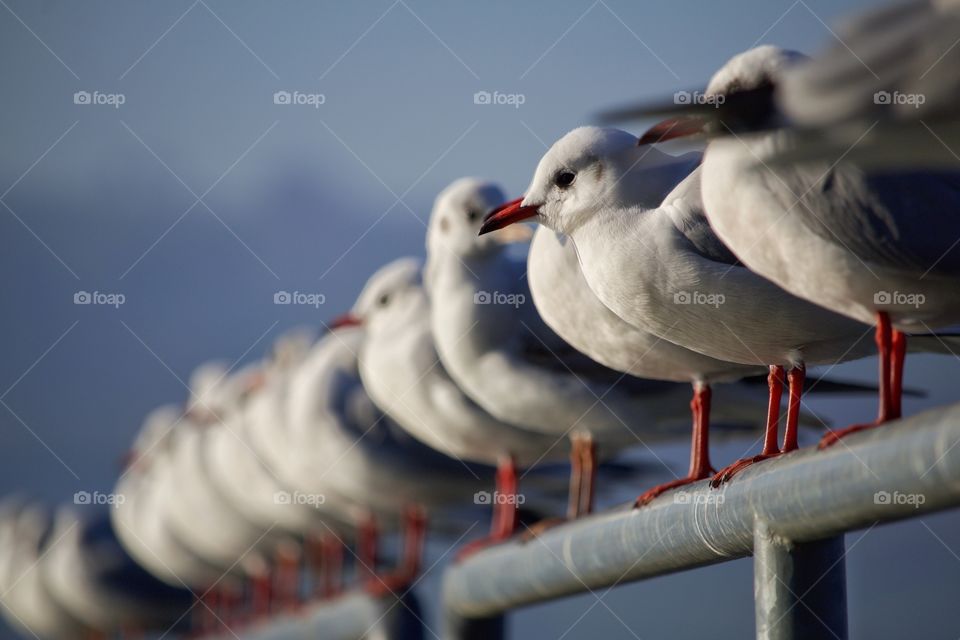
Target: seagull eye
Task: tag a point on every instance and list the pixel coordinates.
(472, 215)
(564, 179)
(384, 300)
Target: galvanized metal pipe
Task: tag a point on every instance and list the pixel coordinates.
(902, 470)
(799, 588)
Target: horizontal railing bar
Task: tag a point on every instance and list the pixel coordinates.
(902, 470)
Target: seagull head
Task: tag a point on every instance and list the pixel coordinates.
(457, 215)
(581, 173)
(386, 292)
(740, 98)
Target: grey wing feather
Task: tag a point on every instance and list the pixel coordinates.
(685, 207)
(905, 220)
(906, 48)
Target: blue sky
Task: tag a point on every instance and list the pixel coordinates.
(199, 197)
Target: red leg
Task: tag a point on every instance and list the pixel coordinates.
(288, 577)
(795, 378)
(316, 564)
(209, 603)
(332, 575)
(589, 474)
(261, 595)
(898, 356)
(504, 504)
(367, 539)
(576, 473)
(699, 449)
(414, 536)
(505, 499)
(892, 346)
(583, 472)
(771, 447)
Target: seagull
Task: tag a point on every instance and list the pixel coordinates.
(87, 571)
(492, 340)
(884, 241)
(404, 376)
(885, 93)
(662, 268)
(200, 515)
(570, 308)
(27, 602)
(139, 520)
(341, 448)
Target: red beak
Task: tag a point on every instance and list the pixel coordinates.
(128, 459)
(672, 128)
(346, 320)
(507, 214)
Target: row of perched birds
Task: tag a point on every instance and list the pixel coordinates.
(815, 213)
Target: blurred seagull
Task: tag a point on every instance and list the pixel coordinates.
(877, 246)
(404, 376)
(507, 359)
(359, 463)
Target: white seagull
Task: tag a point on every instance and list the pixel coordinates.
(357, 463)
(662, 268)
(27, 603)
(570, 308)
(877, 246)
(498, 349)
(89, 573)
(139, 519)
(404, 376)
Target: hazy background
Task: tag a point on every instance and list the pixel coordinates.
(97, 198)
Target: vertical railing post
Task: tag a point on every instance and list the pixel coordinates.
(800, 589)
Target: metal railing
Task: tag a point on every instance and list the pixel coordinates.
(789, 513)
